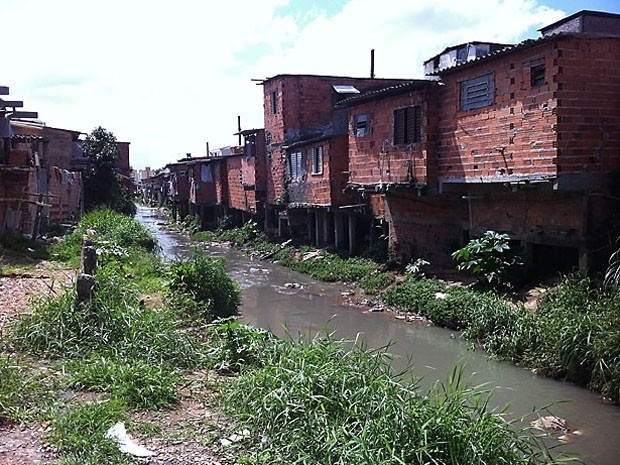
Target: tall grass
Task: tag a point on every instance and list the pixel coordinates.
(115, 233)
(325, 401)
(24, 392)
(112, 323)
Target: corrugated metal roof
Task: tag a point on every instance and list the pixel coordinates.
(415, 84)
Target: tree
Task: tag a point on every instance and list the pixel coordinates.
(102, 187)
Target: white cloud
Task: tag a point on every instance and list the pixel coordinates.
(170, 76)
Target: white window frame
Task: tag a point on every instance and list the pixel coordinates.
(295, 165)
(361, 125)
(317, 160)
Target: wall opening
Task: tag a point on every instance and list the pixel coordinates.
(551, 260)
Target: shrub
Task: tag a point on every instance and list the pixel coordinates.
(490, 259)
(375, 282)
(233, 345)
(114, 233)
(201, 287)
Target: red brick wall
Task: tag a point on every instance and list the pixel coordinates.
(236, 195)
(532, 216)
(304, 107)
(513, 136)
(374, 158)
(59, 149)
(588, 81)
(426, 227)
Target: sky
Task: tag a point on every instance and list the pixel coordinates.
(171, 77)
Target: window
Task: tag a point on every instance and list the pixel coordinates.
(408, 125)
(274, 102)
(478, 92)
(317, 160)
(537, 76)
(295, 165)
(361, 125)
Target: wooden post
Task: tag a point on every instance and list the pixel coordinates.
(86, 279)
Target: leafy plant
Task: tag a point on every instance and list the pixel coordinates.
(415, 268)
(234, 345)
(201, 287)
(374, 283)
(490, 259)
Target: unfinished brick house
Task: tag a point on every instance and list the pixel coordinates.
(246, 171)
(202, 183)
(61, 157)
(528, 140)
(37, 185)
(393, 168)
(307, 156)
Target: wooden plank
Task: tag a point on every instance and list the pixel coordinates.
(11, 103)
(25, 114)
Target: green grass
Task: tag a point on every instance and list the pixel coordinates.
(25, 391)
(79, 434)
(136, 383)
(324, 401)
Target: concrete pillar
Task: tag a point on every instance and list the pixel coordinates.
(326, 226)
(338, 230)
(317, 227)
(352, 233)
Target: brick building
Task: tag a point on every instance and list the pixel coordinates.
(305, 135)
(529, 139)
(246, 170)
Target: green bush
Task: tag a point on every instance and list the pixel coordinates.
(413, 295)
(233, 346)
(374, 283)
(200, 287)
(490, 259)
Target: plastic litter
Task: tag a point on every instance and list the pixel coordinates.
(125, 443)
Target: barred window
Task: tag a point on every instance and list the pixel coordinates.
(295, 163)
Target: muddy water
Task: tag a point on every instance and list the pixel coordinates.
(272, 300)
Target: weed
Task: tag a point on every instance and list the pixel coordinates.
(375, 282)
(234, 345)
(490, 258)
(24, 393)
(138, 384)
(79, 434)
(326, 401)
(201, 288)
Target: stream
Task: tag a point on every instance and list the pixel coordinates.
(286, 302)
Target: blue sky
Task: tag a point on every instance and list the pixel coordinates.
(171, 76)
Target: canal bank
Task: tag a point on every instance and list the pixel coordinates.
(310, 306)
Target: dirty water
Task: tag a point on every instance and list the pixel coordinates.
(287, 302)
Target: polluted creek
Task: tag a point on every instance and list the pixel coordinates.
(286, 302)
